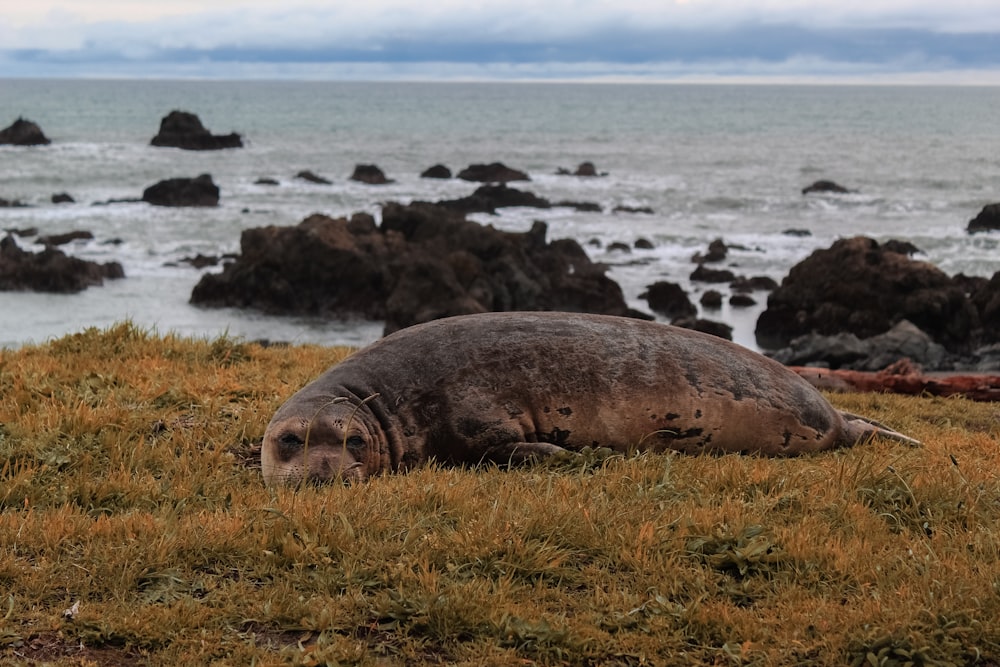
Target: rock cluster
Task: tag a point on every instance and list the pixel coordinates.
(50, 270)
(181, 129)
(423, 262)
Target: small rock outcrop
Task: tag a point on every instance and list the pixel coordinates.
(182, 129)
(370, 174)
(988, 219)
(423, 262)
(50, 270)
(669, 299)
(495, 172)
(437, 171)
(198, 191)
(857, 286)
(23, 132)
(307, 175)
(488, 198)
(825, 186)
(62, 198)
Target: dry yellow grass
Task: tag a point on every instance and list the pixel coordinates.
(134, 529)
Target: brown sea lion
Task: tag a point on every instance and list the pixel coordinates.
(506, 387)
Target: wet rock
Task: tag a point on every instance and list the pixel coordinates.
(987, 219)
(23, 232)
(706, 275)
(643, 244)
(421, 263)
(705, 326)
(618, 246)
(62, 198)
(902, 247)
(437, 171)
(67, 237)
(198, 191)
(797, 232)
(182, 129)
(742, 301)
(307, 175)
(847, 351)
(857, 286)
(825, 186)
(711, 299)
(50, 270)
(717, 251)
(266, 181)
(584, 169)
(370, 174)
(632, 209)
(488, 198)
(754, 283)
(23, 132)
(495, 172)
(12, 203)
(668, 299)
(582, 206)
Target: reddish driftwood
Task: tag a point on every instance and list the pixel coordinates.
(904, 378)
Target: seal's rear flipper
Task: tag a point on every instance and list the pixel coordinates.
(859, 429)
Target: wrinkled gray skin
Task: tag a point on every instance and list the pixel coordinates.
(507, 387)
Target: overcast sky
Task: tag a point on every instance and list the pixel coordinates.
(881, 40)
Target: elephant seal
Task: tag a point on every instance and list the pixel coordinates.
(506, 387)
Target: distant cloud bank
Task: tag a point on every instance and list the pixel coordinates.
(451, 43)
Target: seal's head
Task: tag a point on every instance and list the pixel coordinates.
(319, 441)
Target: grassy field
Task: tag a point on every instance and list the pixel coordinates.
(135, 529)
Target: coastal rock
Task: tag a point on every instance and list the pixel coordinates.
(825, 186)
(307, 175)
(66, 237)
(370, 174)
(265, 180)
(584, 169)
(488, 198)
(988, 219)
(50, 270)
(181, 129)
(632, 209)
(706, 275)
(719, 329)
(717, 251)
(985, 296)
(643, 244)
(421, 263)
(198, 191)
(668, 299)
(857, 286)
(62, 198)
(847, 351)
(711, 299)
(754, 283)
(437, 171)
(495, 172)
(12, 203)
(23, 132)
(742, 301)
(582, 206)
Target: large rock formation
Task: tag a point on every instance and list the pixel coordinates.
(495, 172)
(988, 219)
(181, 129)
(422, 263)
(23, 132)
(198, 191)
(50, 270)
(857, 286)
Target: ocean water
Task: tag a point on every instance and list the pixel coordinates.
(710, 161)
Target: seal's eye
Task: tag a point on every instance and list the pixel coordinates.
(291, 440)
(356, 442)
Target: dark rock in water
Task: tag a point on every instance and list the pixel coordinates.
(857, 286)
(266, 181)
(717, 251)
(495, 172)
(705, 326)
(24, 231)
(711, 299)
(797, 232)
(902, 247)
(201, 261)
(988, 219)
(742, 301)
(67, 237)
(707, 275)
(181, 129)
(120, 200)
(618, 246)
(632, 209)
(985, 296)
(198, 191)
(825, 186)
(370, 174)
(437, 171)
(668, 299)
(422, 263)
(50, 270)
(307, 175)
(582, 206)
(488, 198)
(12, 203)
(847, 351)
(584, 169)
(23, 132)
(753, 284)
(62, 198)
(643, 244)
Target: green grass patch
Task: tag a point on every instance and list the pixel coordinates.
(135, 529)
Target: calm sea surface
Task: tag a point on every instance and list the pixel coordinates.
(711, 161)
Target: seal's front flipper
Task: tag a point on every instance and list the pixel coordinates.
(521, 452)
(859, 429)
